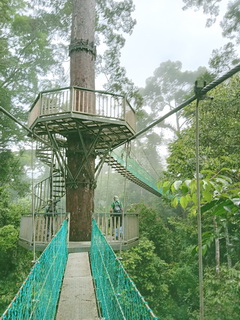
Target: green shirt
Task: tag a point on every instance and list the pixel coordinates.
(117, 206)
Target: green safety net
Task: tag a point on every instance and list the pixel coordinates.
(38, 296)
(116, 293)
(136, 170)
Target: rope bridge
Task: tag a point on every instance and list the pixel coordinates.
(117, 294)
(38, 296)
(133, 171)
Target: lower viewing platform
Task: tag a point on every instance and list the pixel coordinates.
(121, 232)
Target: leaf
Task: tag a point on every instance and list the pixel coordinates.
(177, 184)
(184, 202)
(187, 183)
(223, 181)
(220, 209)
(166, 186)
(207, 195)
(184, 189)
(193, 186)
(175, 202)
(236, 201)
(209, 206)
(194, 198)
(204, 249)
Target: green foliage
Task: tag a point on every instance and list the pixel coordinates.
(169, 247)
(227, 56)
(230, 23)
(219, 132)
(146, 270)
(222, 294)
(12, 172)
(8, 239)
(219, 194)
(15, 262)
(10, 214)
(224, 58)
(162, 265)
(151, 226)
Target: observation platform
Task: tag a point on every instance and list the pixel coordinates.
(45, 227)
(107, 117)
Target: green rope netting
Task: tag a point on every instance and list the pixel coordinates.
(136, 169)
(38, 296)
(117, 294)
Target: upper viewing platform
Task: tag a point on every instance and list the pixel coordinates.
(97, 113)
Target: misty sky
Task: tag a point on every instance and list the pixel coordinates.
(165, 32)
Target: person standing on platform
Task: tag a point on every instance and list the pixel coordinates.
(117, 211)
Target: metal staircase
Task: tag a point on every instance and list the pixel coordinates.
(53, 187)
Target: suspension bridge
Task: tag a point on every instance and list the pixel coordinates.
(54, 115)
(117, 296)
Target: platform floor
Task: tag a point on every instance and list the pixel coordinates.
(77, 299)
(81, 246)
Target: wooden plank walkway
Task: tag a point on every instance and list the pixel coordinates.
(77, 299)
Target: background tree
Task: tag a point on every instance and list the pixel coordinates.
(230, 20)
(15, 261)
(219, 132)
(167, 88)
(221, 59)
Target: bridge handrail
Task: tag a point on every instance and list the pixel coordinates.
(137, 170)
(117, 294)
(38, 296)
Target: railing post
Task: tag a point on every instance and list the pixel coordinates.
(71, 98)
(124, 108)
(40, 104)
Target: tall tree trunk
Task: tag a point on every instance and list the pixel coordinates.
(79, 197)
(82, 60)
(217, 245)
(228, 244)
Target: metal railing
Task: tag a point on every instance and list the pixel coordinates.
(116, 293)
(38, 295)
(84, 101)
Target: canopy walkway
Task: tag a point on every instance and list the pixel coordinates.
(133, 171)
(41, 297)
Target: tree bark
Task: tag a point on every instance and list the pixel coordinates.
(82, 61)
(228, 244)
(217, 245)
(79, 197)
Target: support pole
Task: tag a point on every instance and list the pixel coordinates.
(200, 260)
(199, 217)
(33, 207)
